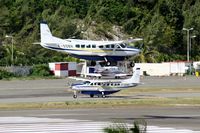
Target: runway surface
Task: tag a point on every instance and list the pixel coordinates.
(59, 90)
(172, 119)
(47, 125)
(159, 119)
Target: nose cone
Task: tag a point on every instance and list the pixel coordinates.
(137, 51)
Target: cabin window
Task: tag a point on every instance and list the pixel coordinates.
(107, 46)
(93, 46)
(101, 46)
(91, 84)
(88, 46)
(107, 84)
(112, 46)
(111, 84)
(82, 46)
(77, 46)
(99, 83)
(94, 83)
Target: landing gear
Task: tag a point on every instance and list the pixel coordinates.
(103, 95)
(91, 95)
(132, 64)
(108, 63)
(93, 63)
(75, 94)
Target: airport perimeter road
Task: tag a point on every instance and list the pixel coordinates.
(183, 119)
(58, 90)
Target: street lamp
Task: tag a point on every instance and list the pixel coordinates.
(7, 36)
(188, 47)
(188, 42)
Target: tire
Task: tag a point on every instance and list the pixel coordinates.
(132, 64)
(74, 96)
(108, 63)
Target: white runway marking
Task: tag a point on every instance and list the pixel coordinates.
(52, 125)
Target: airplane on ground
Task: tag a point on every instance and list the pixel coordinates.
(87, 49)
(109, 71)
(105, 87)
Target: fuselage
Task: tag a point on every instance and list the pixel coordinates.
(93, 50)
(86, 49)
(97, 87)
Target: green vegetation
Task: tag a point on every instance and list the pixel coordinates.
(103, 103)
(40, 70)
(5, 75)
(139, 126)
(159, 22)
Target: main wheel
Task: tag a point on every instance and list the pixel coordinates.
(132, 64)
(108, 63)
(74, 96)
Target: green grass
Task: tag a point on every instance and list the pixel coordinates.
(158, 90)
(106, 103)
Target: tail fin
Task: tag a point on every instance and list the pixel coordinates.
(135, 77)
(45, 32)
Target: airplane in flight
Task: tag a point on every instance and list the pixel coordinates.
(87, 49)
(105, 87)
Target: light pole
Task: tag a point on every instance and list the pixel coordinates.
(188, 47)
(188, 43)
(7, 36)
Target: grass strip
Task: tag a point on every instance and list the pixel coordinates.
(100, 103)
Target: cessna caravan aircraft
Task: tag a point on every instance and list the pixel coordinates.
(87, 49)
(105, 87)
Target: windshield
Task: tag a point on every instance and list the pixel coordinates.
(123, 45)
(86, 82)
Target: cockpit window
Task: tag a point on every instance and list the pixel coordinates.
(87, 82)
(122, 45)
(112, 46)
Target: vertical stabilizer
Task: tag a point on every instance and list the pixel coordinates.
(45, 32)
(135, 77)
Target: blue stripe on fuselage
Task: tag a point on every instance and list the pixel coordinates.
(98, 92)
(96, 58)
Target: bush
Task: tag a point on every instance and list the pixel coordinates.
(5, 75)
(139, 126)
(40, 70)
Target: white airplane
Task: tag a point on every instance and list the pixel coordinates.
(105, 87)
(110, 71)
(87, 49)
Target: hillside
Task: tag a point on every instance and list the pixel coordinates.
(159, 22)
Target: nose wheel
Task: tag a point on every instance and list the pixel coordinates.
(75, 94)
(103, 95)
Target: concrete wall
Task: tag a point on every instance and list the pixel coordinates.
(162, 69)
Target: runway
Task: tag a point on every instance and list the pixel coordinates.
(160, 119)
(58, 89)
